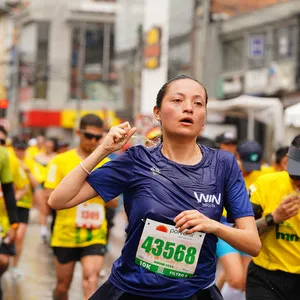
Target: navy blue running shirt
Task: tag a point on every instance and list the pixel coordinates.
(157, 188)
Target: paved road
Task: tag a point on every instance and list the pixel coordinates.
(37, 265)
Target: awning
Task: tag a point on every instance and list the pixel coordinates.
(266, 110)
(292, 115)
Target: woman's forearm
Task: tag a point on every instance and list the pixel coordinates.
(73, 182)
(245, 240)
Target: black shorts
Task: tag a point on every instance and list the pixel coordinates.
(263, 284)
(23, 214)
(8, 249)
(110, 292)
(65, 255)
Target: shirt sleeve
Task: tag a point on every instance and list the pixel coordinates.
(236, 200)
(111, 179)
(5, 171)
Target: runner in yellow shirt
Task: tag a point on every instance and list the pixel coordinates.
(8, 210)
(24, 200)
(79, 233)
(25, 203)
(41, 162)
(275, 272)
(234, 262)
(8, 226)
(36, 146)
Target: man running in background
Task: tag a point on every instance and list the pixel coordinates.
(275, 272)
(79, 233)
(8, 226)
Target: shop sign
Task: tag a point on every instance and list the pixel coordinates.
(256, 46)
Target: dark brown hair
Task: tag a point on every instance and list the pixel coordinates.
(164, 88)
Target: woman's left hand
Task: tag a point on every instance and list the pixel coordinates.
(194, 221)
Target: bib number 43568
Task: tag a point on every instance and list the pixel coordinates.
(169, 250)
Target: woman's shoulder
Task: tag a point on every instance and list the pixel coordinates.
(217, 154)
(141, 150)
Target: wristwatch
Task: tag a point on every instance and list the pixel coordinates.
(269, 219)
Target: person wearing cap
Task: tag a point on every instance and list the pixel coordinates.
(275, 272)
(234, 262)
(250, 156)
(227, 141)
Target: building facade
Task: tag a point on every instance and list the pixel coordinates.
(65, 60)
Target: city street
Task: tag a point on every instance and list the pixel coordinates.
(37, 265)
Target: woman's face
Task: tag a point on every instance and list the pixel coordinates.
(183, 109)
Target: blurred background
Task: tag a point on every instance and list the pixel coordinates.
(60, 59)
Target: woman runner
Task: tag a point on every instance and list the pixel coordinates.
(174, 194)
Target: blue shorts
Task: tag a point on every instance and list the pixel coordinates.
(224, 248)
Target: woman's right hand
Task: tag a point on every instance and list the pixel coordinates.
(117, 137)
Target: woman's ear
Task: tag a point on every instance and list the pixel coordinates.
(156, 113)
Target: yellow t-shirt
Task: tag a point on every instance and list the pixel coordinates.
(5, 177)
(281, 245)
(32, 151)
(20, 180)
(253, 176)
(70, 227)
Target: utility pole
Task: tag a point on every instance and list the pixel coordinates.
(105, 70)
(138, 65)
(106, 54)
(13, 107)
(80, 70)
(202, 19)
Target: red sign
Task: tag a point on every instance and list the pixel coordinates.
(40, 118)
(3, 103)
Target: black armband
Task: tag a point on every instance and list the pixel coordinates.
(257, 211)
(10, 202)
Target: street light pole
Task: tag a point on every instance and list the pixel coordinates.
(80, 70)
(13, 108)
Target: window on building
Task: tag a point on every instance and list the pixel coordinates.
(256, 49)
(233, 54)
(98, 75)
(284, 42)
(41, 66)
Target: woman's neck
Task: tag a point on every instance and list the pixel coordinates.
(186, 153)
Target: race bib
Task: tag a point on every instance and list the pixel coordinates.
(89, 215)
(163, 249)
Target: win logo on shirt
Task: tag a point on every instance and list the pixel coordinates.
(208, 200)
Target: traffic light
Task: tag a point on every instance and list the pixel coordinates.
(3, 107)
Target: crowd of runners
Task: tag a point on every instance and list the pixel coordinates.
(76, 218)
